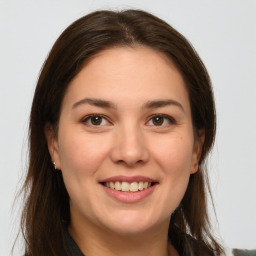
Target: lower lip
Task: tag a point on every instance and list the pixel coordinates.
(129, 197)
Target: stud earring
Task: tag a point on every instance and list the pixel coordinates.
(54, 165)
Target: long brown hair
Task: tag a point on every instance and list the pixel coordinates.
(46, 211)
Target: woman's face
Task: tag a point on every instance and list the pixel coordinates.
(125, 143)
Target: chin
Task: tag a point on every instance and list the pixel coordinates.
(130, 223)
(127, 230)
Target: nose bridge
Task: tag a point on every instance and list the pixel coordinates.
(130, 145)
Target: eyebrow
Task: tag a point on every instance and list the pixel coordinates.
(94, 102)
(107, 104)
(162, 103)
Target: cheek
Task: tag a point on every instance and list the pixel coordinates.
(174, 155)
(82, 154)
(81, 157)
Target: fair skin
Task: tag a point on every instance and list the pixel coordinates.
(141, 131)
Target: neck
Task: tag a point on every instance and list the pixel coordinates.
(97, 241)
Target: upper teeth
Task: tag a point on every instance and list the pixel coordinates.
(128, 187)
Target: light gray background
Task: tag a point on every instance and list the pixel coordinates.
(224, 34)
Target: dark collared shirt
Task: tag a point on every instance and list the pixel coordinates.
(72, 246)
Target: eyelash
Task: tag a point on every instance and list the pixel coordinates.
(88, 118)
(170, 119)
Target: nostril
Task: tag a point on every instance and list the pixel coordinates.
(130, 162)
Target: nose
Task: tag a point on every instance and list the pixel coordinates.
(130, 147)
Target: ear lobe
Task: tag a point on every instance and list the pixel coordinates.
(52, 145)
(197, 151)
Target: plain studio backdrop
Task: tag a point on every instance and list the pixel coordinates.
(224, 34)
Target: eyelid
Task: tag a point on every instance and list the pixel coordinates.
(87, 117)
(169, 118)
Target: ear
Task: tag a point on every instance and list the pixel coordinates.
(197, 150)
(52, 142)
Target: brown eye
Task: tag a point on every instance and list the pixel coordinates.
(158, 120)
(96, 120)
(161, 120)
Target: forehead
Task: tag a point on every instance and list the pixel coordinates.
(125, 73)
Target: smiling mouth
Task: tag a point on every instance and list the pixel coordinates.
(128, 187)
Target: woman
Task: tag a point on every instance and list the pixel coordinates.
(121, 123)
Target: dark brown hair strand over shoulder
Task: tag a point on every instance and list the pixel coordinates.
(46, 212)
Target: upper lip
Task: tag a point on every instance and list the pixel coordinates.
(128, 179)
